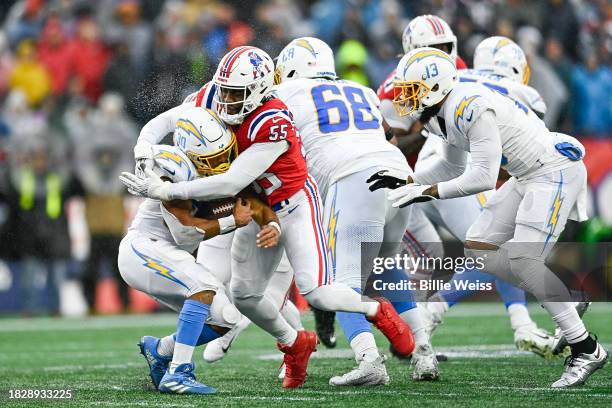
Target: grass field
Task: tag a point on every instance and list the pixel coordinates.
(98, 359)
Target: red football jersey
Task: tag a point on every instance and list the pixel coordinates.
(385, 90)
(271, 122)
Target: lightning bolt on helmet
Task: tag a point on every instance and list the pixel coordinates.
(423, 78)
(305, 57)
(503, 57)
(208, 143)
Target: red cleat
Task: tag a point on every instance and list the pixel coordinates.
(393, 327)
(296, 358)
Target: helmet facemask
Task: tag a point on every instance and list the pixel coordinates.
(234, 102)
(407, 96)
(215, 163)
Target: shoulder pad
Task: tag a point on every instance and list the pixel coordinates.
(172, 163)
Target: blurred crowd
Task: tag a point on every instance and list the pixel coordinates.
(79, 77)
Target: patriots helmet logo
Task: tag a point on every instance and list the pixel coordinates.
(258, 64)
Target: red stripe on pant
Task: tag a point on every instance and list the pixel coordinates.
(313, 218)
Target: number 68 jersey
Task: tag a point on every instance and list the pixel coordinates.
(341, 128)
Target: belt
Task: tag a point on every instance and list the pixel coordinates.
(280, 205)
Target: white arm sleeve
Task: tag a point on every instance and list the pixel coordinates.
(157, 128)
(247, 167)
(485, 151)
(450, 164)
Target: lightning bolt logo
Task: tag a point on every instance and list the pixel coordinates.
(332, 233)
(190, 128)
(173, 157)
(554, 211)
(482, 200)
(157, 267)
(429, 53)
(305, 44)
(500, 44)
(460, 109)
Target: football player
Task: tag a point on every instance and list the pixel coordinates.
(501, 65)
(521, 222)
(344, 141)
(154, 257)
(271, 156)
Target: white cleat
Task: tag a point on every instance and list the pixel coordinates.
(425, 364)
(367, 373)
(532, 338)
(217, 349)
(579, 369)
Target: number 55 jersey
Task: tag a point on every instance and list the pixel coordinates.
(327, 113)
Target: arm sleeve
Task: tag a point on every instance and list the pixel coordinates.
(485, 151)
(450, 164)
(157, 128)
(249, 165)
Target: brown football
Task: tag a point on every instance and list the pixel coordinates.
(215, 209)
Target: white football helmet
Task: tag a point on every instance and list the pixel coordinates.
(305, 57)
(503, 57)
(245, 76)
(428, 31)
(206, 140)
(171, 163)
(423, 78)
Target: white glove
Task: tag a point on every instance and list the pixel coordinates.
(143, 154)
(152, 186)
(409, 194)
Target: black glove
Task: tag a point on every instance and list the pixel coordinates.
(385, 179)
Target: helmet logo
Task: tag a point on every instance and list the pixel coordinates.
(501, 43)
(188, 127)
(258, 65)
(301, 42)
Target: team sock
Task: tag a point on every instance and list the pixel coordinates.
(189, 328)
(519, 316)
(419, 330)
(165, 347)
(364, 347)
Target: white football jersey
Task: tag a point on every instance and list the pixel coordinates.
(527, 145)
(171, 163)
(525, 94)
(341, 129)
(519, 92)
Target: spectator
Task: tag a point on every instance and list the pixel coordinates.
(351, 59)
(100, 137)
(7, 62)
(89, 58)
(29, 75)
(40, 186)
(592, 105)
(55, 53)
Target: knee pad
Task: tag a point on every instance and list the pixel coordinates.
(222, 312)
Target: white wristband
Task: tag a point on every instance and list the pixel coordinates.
(227, 224)
(201, 231)
(277, 226)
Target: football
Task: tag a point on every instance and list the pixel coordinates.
(214, 209)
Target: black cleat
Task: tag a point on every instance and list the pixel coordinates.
(324, 323)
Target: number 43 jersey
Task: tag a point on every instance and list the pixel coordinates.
(341, 128)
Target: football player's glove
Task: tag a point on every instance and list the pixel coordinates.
(409, 194)
(386, 179)
(152, 186)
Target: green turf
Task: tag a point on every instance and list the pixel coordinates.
(99, 360)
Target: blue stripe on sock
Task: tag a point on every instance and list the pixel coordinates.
(510, 294)
(353, 324)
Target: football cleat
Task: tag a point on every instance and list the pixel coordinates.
(296, 358)
(579, 368)
(324, 323)
(157, 364)
(393, 327)
(560, 346)
(367, 373)
(425, 364)
(218, 348)
(532, 338)
(183, 381)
